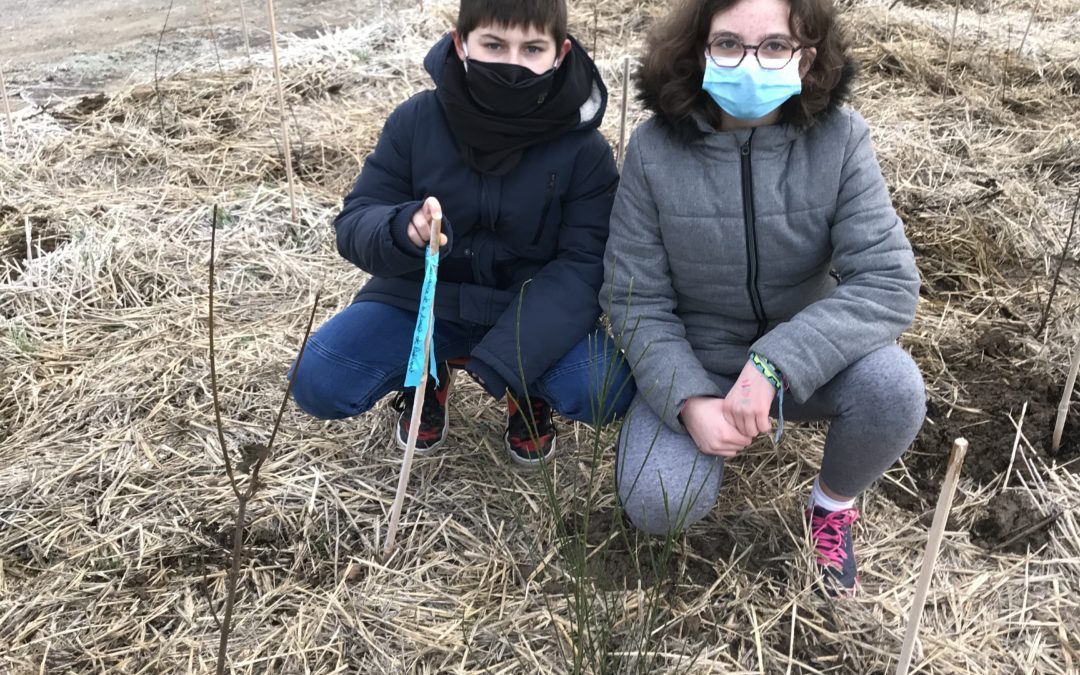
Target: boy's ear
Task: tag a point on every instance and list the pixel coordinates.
(458, 40)
(566, 46)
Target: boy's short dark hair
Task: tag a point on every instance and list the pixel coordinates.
(544, 15)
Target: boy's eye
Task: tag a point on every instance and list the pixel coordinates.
(493, 46)
(533, 49)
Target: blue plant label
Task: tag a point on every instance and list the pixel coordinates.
(415, 369)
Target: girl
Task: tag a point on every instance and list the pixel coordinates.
(756, 268)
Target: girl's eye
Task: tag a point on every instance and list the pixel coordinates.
(777, 46)
(727, 43)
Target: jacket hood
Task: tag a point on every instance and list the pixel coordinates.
(690, 128)
(443, 54)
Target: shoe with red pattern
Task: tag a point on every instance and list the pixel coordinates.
(434, 416)
(830, 532)
(530, 432)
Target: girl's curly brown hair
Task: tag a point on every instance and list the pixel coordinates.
(669, 80)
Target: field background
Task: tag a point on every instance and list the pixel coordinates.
(115, 514)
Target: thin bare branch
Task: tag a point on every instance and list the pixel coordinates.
(1061, 263)
(213, 360)
(288, 391)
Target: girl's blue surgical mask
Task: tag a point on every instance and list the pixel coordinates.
(748, 91)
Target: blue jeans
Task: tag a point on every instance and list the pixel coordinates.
(359, 356)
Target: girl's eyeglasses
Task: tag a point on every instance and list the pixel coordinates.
(771, 54)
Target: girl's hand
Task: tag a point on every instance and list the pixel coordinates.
(708, 421)
(423, 221)
(749, 402)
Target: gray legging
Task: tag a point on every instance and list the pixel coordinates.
(875, 408)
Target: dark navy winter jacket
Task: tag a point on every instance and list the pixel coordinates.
(536, 234)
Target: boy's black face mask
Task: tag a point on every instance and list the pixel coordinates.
(496, 112)
(507, 89)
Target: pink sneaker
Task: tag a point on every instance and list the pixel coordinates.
(831, 535)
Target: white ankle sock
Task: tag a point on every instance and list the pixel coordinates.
(819, 498)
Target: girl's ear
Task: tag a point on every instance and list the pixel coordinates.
(806, 60)
(458, 44)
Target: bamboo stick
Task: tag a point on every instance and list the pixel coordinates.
(414, 420)
(948, 57)
(244, 30)
(281, 108)
(622, 113)
(7, 106)
(933, 544)
(1066, 398)
(1031, 20)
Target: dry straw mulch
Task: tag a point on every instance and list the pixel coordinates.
(115, 516)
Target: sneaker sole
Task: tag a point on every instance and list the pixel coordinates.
(524, 462)
(403, 444)
(836, 590)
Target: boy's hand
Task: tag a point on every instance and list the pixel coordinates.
(422, 221)
(749, 402)
(708, 421)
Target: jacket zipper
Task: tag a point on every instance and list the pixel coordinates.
(485, 222)
(548, 196)
(751, 239)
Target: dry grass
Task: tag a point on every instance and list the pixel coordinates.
(115, 512)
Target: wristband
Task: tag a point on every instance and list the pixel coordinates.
(773, 375)
(765, 366)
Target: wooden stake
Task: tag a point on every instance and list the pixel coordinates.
(29, 238)
(1031, 19)
(622, 113)
(244, 30)
(1066, 397)
(7, 106)
(948, 57)
(595, 20)
(414, 421)
(281, 109)
(1016, 444)
(213, 37)
(933, 544)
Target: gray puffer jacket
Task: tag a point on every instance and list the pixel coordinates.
(724, 244)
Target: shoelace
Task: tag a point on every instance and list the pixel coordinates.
(828, 534)
(522, 425)
(538, 409)
(403, 402)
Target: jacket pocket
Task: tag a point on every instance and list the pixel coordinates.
(548, 196)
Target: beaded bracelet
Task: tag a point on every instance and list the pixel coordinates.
(773, 375)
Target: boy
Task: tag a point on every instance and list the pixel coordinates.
(506, 149)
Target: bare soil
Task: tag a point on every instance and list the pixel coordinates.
(59, 48)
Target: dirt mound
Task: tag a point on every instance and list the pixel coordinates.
(1013, 522)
